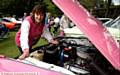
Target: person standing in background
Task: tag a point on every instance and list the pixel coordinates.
(24, 15)
(64, 23)
(56, 25)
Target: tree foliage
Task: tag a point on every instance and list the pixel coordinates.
(18, 7)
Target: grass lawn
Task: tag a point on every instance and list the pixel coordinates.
(8, 46)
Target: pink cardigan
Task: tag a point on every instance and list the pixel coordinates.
(34, 33)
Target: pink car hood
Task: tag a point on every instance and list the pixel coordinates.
(10, 66)
(93, 29)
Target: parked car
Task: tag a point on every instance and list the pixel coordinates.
(12, 25)
(98, 54)
(76, 32)
(15, 20)
(114, 23)
(111, 25)
(105, 20)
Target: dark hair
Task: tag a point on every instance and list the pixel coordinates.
(39, 9)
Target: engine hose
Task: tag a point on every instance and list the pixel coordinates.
(62, 58)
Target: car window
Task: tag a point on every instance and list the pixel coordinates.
(104, 20)
(5, 20)
(116, 24)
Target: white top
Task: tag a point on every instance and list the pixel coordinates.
(56, 20)
(64, 22)
(25, 32)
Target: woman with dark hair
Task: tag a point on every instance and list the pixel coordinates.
(31, 30)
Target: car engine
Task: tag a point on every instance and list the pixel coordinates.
(78, 55)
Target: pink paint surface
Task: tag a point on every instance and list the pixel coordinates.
(8, 65)
(93, 29)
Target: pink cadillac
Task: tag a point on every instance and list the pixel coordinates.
(95, 32)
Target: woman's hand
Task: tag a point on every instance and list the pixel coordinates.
(54, 41)
(2, 56)
(25, 54)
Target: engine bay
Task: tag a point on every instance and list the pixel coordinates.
(78, 55)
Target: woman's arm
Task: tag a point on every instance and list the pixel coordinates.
(24, 39)
(24, 34)
(48, 36)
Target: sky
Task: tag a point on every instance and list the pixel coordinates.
(116, 2)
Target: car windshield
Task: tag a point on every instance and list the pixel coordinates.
(115, 23)
(5, 20)
(104, 20)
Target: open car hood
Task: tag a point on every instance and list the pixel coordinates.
(93, 29)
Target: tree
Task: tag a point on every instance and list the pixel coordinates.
(53, 9)
(108, 7)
